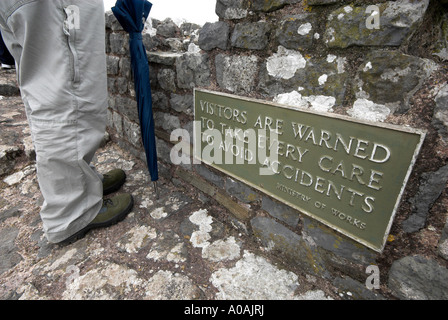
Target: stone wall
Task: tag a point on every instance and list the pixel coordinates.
(337, 56)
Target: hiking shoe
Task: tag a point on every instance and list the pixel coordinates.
(114, 210)
(113, 180)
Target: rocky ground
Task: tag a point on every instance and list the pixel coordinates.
(170, 248)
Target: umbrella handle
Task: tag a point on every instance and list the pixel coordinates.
(156, 190)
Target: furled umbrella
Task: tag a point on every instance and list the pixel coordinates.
(132, 14)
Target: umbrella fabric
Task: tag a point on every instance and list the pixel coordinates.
(132, 15)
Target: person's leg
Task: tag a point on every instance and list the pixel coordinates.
(59, 48)
(5, 57)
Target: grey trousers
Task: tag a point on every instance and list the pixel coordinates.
(59, 49)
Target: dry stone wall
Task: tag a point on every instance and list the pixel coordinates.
(380, 61)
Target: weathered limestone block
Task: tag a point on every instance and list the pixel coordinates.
(296, 32)
(159, 100)
(168, 29)
(390, 78)
(193, 70)
(441, 46)
(440, 118)
(111, 87)
(112, 65)
(167, 79)
(151, 43)
(214, 35)
(167, 121)
(8, 154)
(123, 85)
(127, 107)
(322, 237)
(210, 176)
(117, 122)
(182, 103)
(367, 110)
(165, 58)
(395, 23)
(251, 35)
(280, 211)
(232, 9)
(8, 249)
(418, 278)
(119, 43)
(241, 191)
(443, 242)
(318, 103)
(321, 2)
(276, 237)
(132, 132)
(125, 67)
(188, 29)
(270, 5)
(175, 44)
(431, 187)
(288, 70)
(236, 73)
(112, 22)
(356, 290)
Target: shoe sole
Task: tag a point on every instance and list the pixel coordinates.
(81, 233)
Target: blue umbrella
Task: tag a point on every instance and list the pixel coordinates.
(132, 15)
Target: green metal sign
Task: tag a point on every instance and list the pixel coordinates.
(347, 174)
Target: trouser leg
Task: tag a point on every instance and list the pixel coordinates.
(5, 56)
(59, 49)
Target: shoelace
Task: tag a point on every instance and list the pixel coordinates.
(108, 202)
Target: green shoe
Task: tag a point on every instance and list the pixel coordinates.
(114, 210)
(113, 180)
